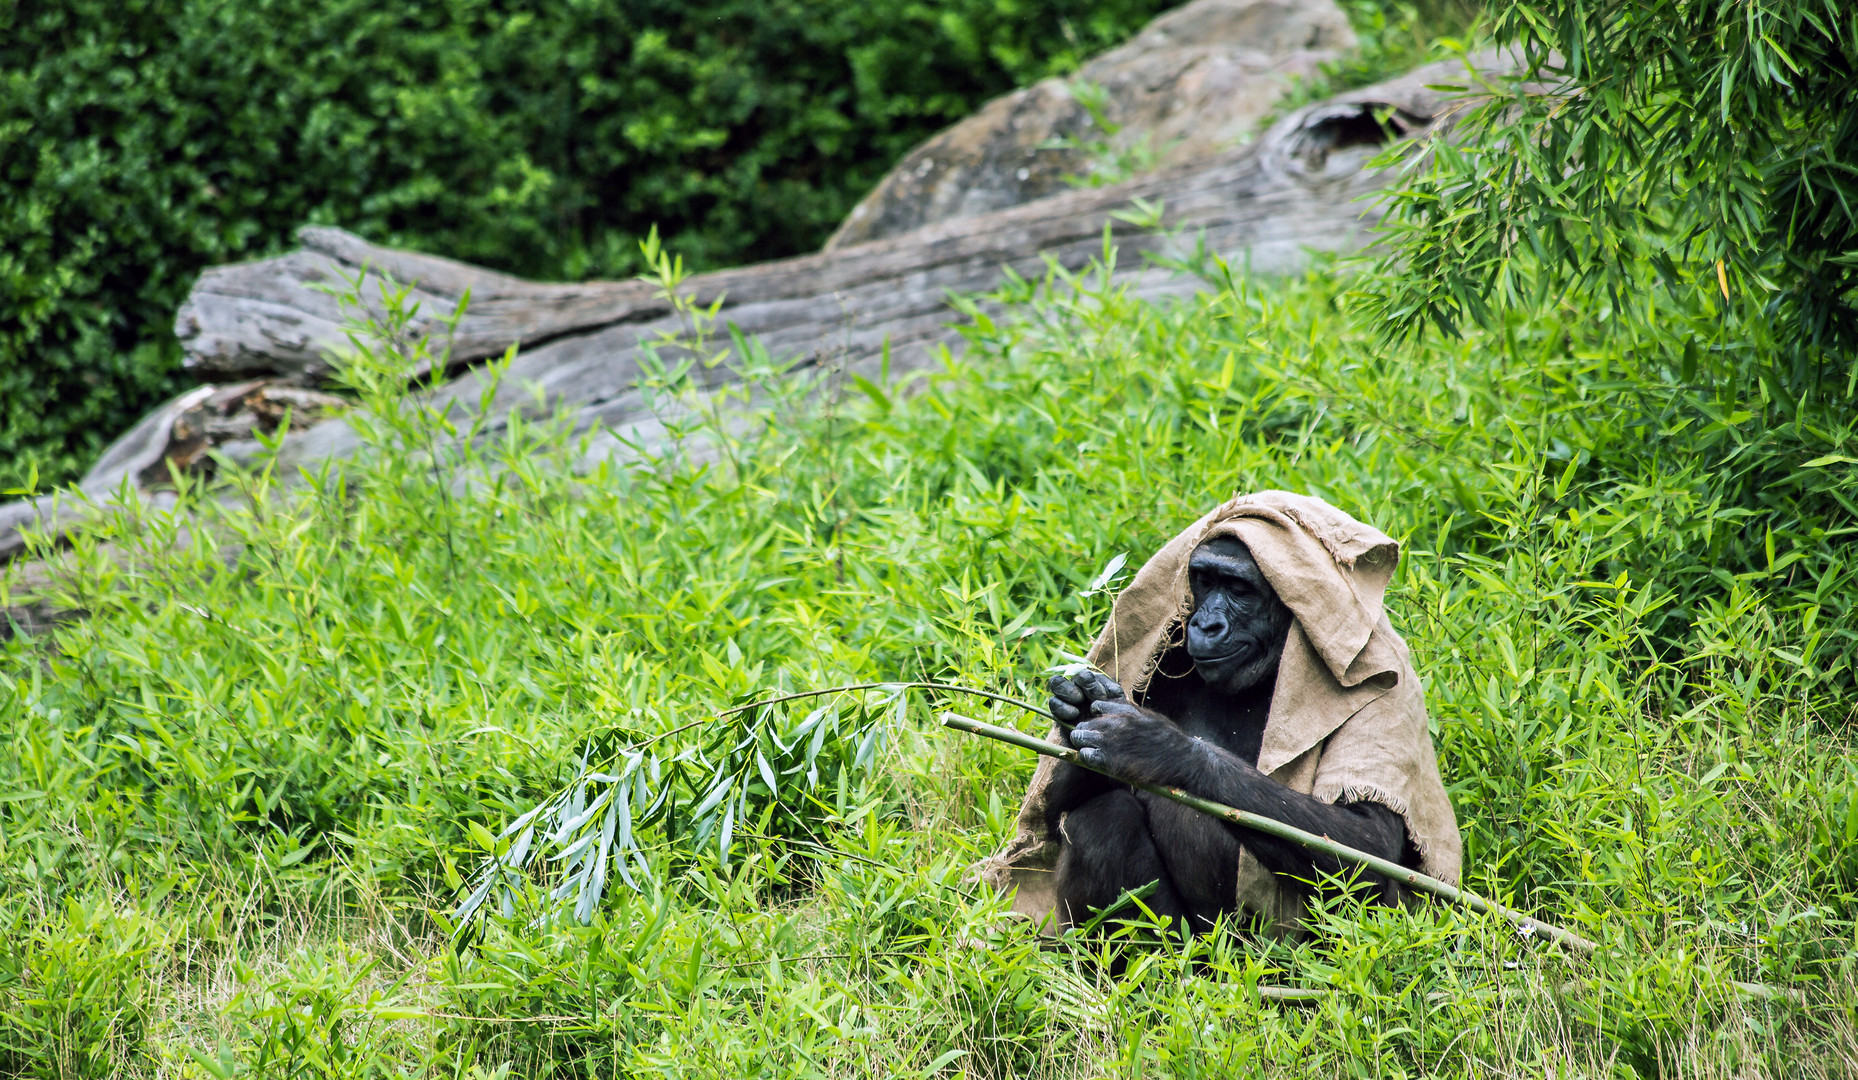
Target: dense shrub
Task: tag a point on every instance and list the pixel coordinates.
(141, 141)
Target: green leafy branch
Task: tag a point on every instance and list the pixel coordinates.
(1716, 143)
(749, 758)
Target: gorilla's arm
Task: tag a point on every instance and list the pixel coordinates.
(1139, 745)
(1072, 786)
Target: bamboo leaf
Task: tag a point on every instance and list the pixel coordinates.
(475, 900)
(716, 794)
(828, 723)
(867, 746)
(519, 849)
(596, 885)
(525, 819)
(1107, 574)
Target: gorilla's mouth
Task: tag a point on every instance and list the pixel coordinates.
(1215, 661)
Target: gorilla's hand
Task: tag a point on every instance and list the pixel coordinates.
(1135, 744)
(1073, 695)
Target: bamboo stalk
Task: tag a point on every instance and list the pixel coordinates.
(1526, 925)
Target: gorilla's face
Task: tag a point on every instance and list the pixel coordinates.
(1238, 628)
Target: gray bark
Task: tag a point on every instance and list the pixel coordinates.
(1298, 187)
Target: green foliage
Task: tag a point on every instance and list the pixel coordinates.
(143, 141)
(311, 712)
(1684, 173)
(241, 797)
(74, 982)
(1716, 142)
(320, 1018)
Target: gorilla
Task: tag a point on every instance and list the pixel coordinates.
(1201, 732)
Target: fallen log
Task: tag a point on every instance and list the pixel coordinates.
(1297, 188)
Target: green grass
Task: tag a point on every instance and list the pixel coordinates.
(237, 799)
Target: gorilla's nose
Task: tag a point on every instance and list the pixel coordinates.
(1206, 634)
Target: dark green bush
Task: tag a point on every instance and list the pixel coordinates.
(143, 140)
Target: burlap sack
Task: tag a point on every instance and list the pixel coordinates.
(1348, 715)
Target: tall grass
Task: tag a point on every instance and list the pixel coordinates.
(239, 797)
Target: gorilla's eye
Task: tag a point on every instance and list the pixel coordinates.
(1237, 586)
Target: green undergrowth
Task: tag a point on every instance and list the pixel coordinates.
(241, 797)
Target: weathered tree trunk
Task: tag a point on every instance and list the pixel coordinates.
(1297, 187)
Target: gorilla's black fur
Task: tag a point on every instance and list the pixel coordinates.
(1199, 727)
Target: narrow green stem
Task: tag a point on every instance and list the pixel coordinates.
(1525, 924)
(846, 689)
